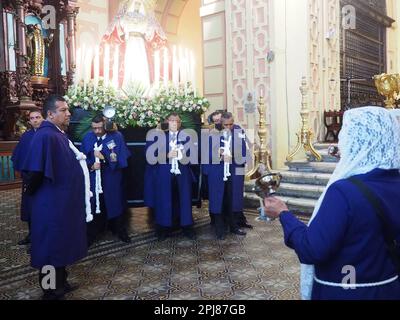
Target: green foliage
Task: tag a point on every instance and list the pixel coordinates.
(84, 126)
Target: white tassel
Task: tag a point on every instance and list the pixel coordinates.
(226, 153)
(88, 194)
(98, 188)
(174, 161)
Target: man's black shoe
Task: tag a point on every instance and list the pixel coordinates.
(238, 232)
(69, 288)
(54, 295)
(212, 220)
(161, 235)
(220, 237)
(189, 233)
(25, 241)
(90, 242)
(124, 237)
(245, 225)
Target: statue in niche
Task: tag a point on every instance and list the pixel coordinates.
(36, 49)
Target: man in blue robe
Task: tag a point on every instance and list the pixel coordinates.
(57, 187)
(170, 193)
(107, 156)
(216, 120)
(18, 159)
(226, 192)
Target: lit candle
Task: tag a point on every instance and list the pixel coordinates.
(262, 93)
(193, 71)
(116, 68)
(175, 67)
(157, 69)
(78, 65)
(96, 69)
(106, 64)
(84, 68)
(187, 65)
(182, 78)
(166, 67)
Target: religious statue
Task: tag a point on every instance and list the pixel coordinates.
(138, 30)
(36, 47)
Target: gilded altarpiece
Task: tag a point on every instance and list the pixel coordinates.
(37, 57)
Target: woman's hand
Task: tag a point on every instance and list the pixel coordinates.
(274, 207)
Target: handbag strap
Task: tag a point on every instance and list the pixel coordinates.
(388, 235)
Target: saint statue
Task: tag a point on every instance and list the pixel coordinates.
(139, 32)
(36, 47)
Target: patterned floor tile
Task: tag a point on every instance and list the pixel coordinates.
(255, 267)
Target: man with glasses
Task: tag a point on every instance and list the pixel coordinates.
(170, 188)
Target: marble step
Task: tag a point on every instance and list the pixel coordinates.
(325, 156)
(300, 190)
(323, 146)
(296, 190)
(305, 177)
(306, 166)
(303, 207)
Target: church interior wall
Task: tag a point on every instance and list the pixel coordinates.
(393, 36)
(214, 66)
(92, 22)
(190, 35)
(290, 44)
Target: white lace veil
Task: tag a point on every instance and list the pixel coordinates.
(369, 139)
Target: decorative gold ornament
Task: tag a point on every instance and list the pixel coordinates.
(304, 138)
(388, 85)
(41, 81)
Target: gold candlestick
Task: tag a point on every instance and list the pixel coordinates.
(304, 138)
(262, 155)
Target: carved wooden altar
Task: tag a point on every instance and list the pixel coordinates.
(20, 90)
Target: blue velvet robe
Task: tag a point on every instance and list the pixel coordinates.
(58, 221)
(347, 231)
(215, 174)
(111, 172)
(158, 189)
(18, 159)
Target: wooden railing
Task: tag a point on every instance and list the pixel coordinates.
(9, 178)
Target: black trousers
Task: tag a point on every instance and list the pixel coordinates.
(227, 218)
(176, 205)
(100, 223)
(176, 209)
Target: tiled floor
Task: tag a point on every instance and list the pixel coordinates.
(255, 267)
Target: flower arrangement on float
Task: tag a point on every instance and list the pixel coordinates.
(135, 105)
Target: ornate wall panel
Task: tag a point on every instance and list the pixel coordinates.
(247, 47)
(324, 42)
